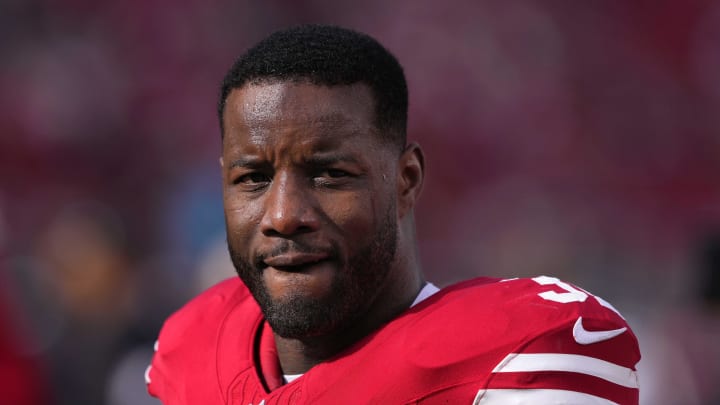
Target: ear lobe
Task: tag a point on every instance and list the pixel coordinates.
(411, 176)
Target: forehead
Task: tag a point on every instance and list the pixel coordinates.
(261, 109)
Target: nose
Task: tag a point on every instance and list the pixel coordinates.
(290, 207)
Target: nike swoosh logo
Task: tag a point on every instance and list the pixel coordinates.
(586, 337)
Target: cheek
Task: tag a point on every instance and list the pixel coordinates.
(355, 217)
(242, 219)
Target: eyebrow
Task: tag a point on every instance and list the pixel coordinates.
(245, 162)
(329, 159)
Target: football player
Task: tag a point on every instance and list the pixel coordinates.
(331, 306)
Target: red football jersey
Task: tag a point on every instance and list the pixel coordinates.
(482, 341)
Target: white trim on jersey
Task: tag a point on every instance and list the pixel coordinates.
(426, 292)
(537, 397)
(574, 363)
(148, 381)
(291, 377)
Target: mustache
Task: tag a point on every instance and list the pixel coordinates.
(290, 246)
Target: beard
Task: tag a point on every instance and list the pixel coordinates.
(353, 290)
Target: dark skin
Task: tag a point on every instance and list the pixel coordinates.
(310, 187)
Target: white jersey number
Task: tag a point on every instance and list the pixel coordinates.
(571, 293)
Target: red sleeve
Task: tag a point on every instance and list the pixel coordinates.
(589, 360)
(157, 381)
(555, 369)
(571, 348)
(184, 368)
(184, 352)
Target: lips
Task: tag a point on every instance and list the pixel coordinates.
(294, 261)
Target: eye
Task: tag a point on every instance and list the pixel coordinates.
(252, 178)
(336, 173)
(334, 178)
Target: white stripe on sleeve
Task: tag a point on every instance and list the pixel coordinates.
(573, 363)
(537, 397)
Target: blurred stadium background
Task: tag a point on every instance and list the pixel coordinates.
(575, 139)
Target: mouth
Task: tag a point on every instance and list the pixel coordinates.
(293, 262)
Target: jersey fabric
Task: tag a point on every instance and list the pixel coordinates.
(483, 341)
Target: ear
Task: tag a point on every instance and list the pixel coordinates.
(411, 173)
(222, 162)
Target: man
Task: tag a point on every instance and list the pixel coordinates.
(331, 306)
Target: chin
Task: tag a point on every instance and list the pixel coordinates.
(300, 317)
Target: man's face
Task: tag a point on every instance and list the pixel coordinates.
(310, 202)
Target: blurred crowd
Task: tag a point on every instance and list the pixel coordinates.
(574, 139)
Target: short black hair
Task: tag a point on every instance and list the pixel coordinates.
(329, 56)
